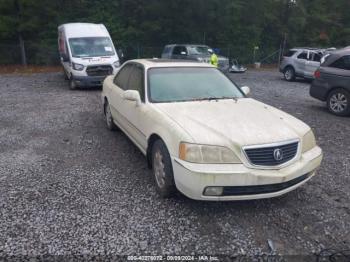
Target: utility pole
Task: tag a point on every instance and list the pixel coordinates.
(19, 34)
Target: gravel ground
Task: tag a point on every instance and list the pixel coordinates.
(69, 186)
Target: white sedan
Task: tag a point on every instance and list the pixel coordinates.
(203, 136)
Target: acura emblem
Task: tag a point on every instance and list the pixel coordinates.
(278, 154)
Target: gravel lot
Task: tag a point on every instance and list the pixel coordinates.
(69, 186)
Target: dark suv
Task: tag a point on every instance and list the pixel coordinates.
(193, 52)
(332, 82)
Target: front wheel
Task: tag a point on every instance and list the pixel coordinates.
(289, 74)
(338, 102)
(109, 119)
(163, 170)
(72, 84)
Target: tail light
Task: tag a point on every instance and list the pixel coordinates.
(317, 74)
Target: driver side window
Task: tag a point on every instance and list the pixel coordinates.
(122, 78)
(136, 81)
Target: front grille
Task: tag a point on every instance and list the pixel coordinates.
(268, 156)
(262, 189)
(100, 70)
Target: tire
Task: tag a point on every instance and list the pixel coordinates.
(289, 74)
(162, 170)
(72, 84)
(109, 118)
(65, 74)
(338, 102)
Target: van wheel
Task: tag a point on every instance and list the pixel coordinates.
(65, 74)
(162, 170)
(109, 118)
(289, 74)
(338, 102)
(72, 84)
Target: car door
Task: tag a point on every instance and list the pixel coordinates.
(133, 113)
(300, 62)
(120, 83)
(313, 62)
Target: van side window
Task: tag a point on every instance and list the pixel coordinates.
(122, 77)
(342, 63)
(303, 55)
(136, 80)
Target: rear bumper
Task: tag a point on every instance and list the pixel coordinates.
(319, 89)
(242, 183)
(88, 81)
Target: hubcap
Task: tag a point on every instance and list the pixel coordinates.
(338, 102)
(288, 74)
(158, 167)
(72, 84)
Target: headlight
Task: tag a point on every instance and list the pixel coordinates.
(309, 141)
(207, 154)
(116, 64)
(78, 67)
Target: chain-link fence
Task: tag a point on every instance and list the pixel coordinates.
(44, 52)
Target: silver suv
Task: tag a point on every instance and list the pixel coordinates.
(301, 62)
(193, 52)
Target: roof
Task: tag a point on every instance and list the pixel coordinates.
(169, 63)
(84, 30)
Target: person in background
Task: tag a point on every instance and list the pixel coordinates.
(213, 58)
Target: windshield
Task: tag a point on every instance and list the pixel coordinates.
(91, 46)
(189, 84)
(198, 50)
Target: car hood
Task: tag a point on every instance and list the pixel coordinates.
(234, 123)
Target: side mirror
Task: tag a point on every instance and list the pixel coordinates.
(64, 57)
(245, 90)
(120, 53)
(132, 95)
(183, 53)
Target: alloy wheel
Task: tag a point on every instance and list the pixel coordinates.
(338, 102)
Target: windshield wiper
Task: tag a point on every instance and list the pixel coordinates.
(211, 98)
(229, 97)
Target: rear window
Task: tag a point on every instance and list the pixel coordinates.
(342, 63)
(290, 53)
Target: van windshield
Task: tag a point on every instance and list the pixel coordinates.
(91, 46)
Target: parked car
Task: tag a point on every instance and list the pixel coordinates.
(300, 62)
(202, 135)
(87, 54)
(332, 82)
(199, 53)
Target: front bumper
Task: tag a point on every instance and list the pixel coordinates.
(88, 81)
(192, 179)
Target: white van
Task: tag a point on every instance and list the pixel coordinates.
(87, 53)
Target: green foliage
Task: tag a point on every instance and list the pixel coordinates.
(142, 27)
